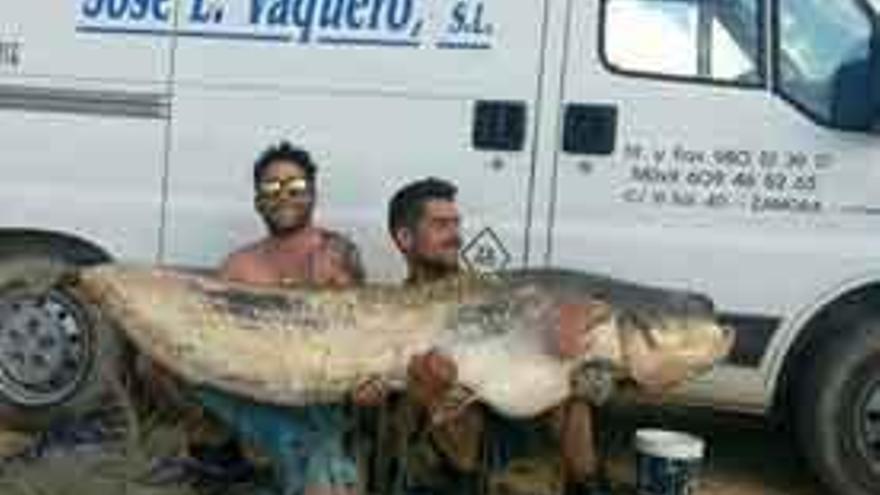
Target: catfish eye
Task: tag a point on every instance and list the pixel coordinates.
(697, 304)
(633, 321)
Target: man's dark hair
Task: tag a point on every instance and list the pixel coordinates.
(407, 204)
(285, 152)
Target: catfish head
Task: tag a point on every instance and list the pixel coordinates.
(663, 348)
(655, 338)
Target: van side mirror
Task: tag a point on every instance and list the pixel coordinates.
(875, 72)
(850, 109)
(856, 98)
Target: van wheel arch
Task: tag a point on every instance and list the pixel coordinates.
(85, 350)
(833, 360)
(71, 248)
(828, 323)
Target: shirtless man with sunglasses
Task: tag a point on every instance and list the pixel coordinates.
(295, 251)
(306, 446)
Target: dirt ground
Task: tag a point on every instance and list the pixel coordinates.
(745, 457)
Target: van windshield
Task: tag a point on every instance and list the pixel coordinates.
(818, 38)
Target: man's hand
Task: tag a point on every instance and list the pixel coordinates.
(370, 393)
(431, 375)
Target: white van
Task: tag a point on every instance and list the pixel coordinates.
(729, 147)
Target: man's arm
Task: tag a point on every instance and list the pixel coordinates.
(458, 438)
(342, 266)
(346, 257)
(432, 376)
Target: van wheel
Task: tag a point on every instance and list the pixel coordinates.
(839, 411)
(57, 357)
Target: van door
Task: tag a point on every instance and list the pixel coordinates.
(699, 153)
(380, 92)
(83, 106)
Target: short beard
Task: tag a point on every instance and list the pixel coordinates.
(276, 230)
(279, 231)
(431, 269)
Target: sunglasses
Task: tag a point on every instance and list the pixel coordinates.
(291, 186)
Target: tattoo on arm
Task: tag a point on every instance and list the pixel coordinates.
(351, 256)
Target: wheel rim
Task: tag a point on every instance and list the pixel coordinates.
(869, 424)
(44, 348)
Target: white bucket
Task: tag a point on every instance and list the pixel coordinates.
(668, 462)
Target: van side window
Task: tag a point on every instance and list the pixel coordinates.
(818, 41)
(701, 40)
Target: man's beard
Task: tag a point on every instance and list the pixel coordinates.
(282, 230)
(279, 227)
(439, 266)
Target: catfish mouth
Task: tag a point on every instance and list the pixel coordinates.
(657, 362)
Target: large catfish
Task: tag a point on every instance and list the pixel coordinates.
(296, 346)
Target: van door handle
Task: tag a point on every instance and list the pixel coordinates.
(589, 129)
(499, 125)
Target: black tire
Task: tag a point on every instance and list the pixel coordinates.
(58, 359)
(838, 410)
